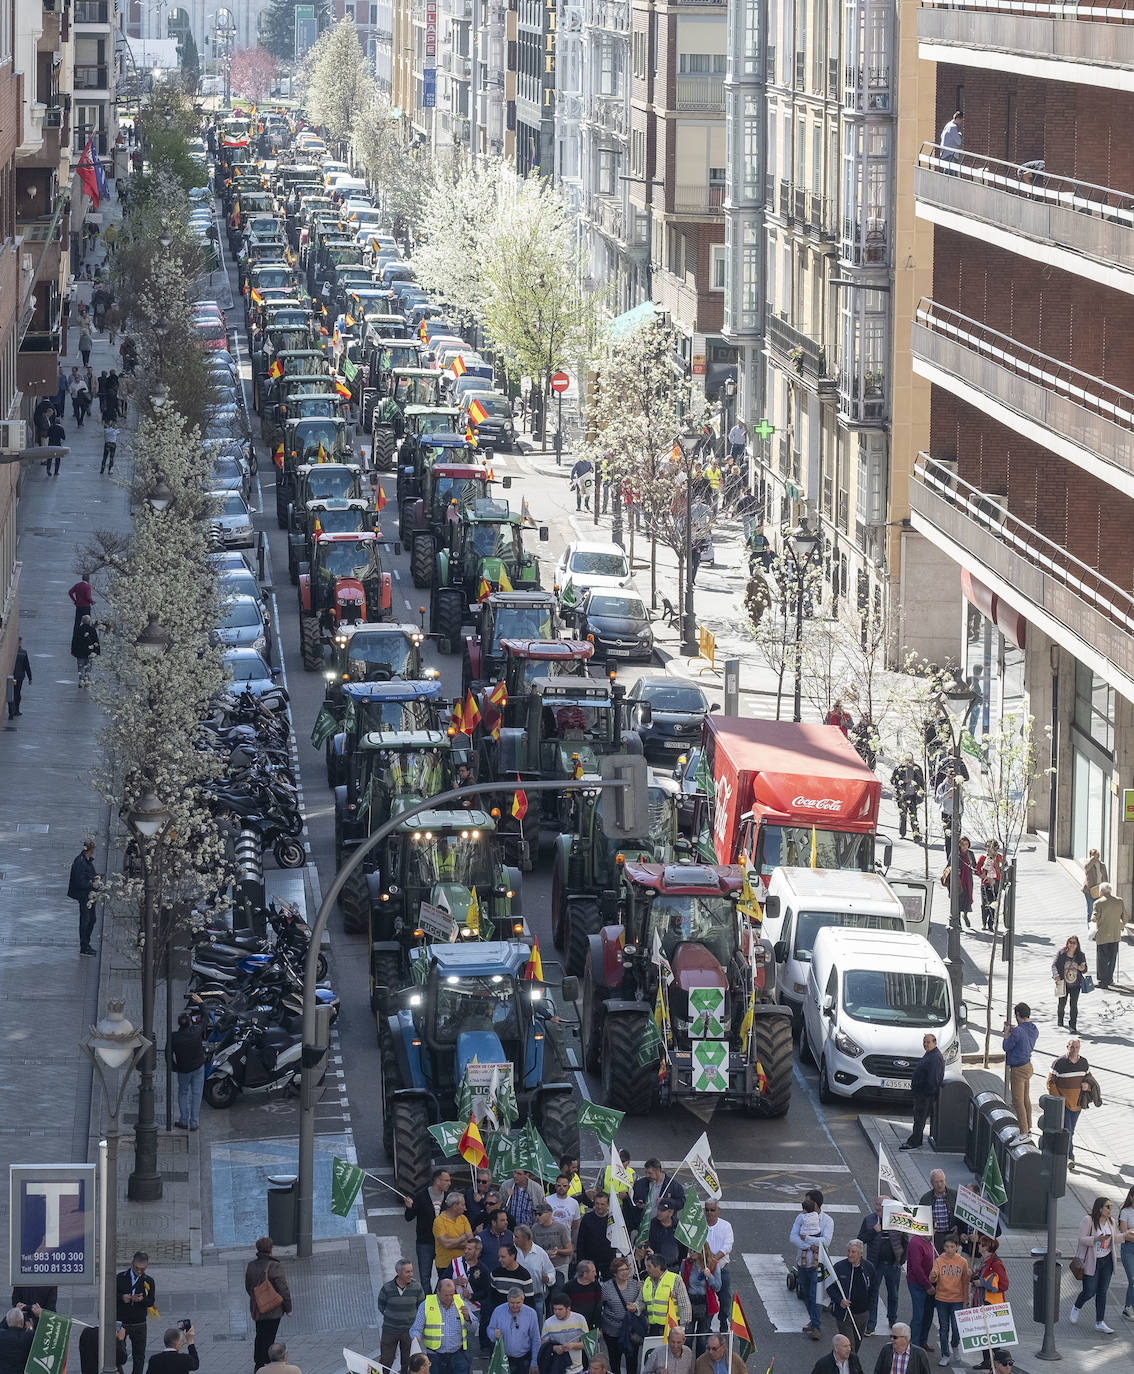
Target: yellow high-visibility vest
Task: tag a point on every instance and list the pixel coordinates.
(657, 1297)
(431, 1333)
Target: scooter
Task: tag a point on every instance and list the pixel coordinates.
(256, 1061)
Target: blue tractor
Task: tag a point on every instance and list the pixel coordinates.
(469, 1003)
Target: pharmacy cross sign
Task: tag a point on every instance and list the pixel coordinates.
(764, 430)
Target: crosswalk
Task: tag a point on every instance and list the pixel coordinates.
(783, 1309)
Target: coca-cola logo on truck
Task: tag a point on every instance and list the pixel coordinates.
(817, 803)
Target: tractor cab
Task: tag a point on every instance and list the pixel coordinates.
(384, 705)
(345, 584)
(379, 653)
(415, 386)
(317, 439)
(313, 513)
(522, 616)
(328, 481)
(524, 661)
(563, 727)
(486, 551)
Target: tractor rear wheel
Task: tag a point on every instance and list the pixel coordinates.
(773, 1048)
(386, 972)
(389, 1061)
(582, 920)
(448, 616)
(384, 448)
(627, 1086)
(406, 519)
(354, 902)
(282, 501)
(559, 1124)
(421, 560)
(412, 1143)
(368, 398)
(310, 642)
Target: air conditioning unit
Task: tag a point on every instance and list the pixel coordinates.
(941, 472)
(53, 117)
(992, 506)
(13, 436)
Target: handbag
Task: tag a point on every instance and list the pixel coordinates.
(265, 1298)
(634, 1326)
(1086, 983)
(1076, 1268)
(1060, 988)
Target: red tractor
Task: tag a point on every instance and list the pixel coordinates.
(343, 585)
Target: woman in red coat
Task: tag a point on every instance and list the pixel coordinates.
(990, 1283)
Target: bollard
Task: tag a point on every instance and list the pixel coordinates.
(248, 906)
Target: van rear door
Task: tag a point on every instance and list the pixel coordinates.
(916, 897)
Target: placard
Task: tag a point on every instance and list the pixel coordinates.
(910, 1221)
(52, 1224)
(436, 922)
(982, 1215)
(710, 1065)
(706, 1013)
(983, 1328)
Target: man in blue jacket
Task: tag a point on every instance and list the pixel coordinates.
(1019, 1042)
(928, 1075)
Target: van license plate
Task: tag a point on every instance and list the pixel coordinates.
(897, 1084)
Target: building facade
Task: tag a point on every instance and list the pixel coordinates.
(1025, 487)
(11, 280)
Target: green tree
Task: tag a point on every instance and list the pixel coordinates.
(190, 63)
(278, 32)
(401, 169)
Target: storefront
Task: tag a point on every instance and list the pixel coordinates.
(1092, 741)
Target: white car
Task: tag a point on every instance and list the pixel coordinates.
(584, 564)
(231, 522)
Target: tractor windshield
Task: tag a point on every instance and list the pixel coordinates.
(325, 484)
(709, 921)
(318, 406)
(378, 657)
(526, 622)
(391, 715)
(790, 845)
(657, 845)
(398, 356)
(311, 437)
(410, 772)
(289, 338)
(463, 490)
(344, 558)
(435, 422)
(482, 1003)
(421, 391)
(489, 539)
(461, 856)
(348, 520)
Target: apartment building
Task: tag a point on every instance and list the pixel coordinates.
(43, 204)
(535, 86)
(1023, 492)
(11, 134)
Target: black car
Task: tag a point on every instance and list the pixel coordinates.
(677, 711)
(618, 622)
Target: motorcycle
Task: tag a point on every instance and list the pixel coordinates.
(255, 1060)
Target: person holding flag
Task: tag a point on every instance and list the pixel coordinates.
(853, 1278)
(595, 1239)
(653, 1185)
(675, 1357)
(810, 1232)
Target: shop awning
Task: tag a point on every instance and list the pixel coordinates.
(630, 320)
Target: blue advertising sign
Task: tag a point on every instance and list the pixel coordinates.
(52, 1223)
(429, 87)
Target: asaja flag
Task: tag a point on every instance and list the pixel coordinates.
(324, 727)
(604, 1121)
(741, 1331)
(471, 1147)
(590, 1345)
(471, 715)
(620, 1180)
(346, 1180)
(692, 1228)
(888, 1178)
(651, 1047)
(276, 370)
(533, 970)
(992, 1182)
(617, 1232)
(700, 1163)
(447, 1134)
(477, 413)
(498, 1364)
(48, 1353)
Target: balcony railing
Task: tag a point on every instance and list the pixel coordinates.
(819, 215)
(609, 215)
(1088, 34)
(699, 92)
(787, 205)
(862, 395)
(91, 78)
(92, 12)
(609, 112)
(698, 200)
(866, 245)
(805, 356)
(1079, 408)
(1112, 13)
(1075, 595)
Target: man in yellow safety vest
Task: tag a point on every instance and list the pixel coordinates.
(442, 1327)
(662, 1290)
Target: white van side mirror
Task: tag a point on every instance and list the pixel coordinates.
(962, 1013)
(828, 1005)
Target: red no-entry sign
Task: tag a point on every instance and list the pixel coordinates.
(560, 381)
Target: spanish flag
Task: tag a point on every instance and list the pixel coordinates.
(318, 530)
(471, 714)
(470, 437)
(342, 389)
(477, 413)
(457, 720)
(256, 297)
(374, 244)
(484, 591)
(742, 1332)
(381, 502)
(533, 969)
(471, 1147)
(519, 802)
(349, 321)
(457, 366)
(498, 697)
(278, 455)
(276, 370)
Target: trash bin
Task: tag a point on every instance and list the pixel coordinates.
(950, 1121)
(976, 1152)
(1039, 1286)
(1026, 1175)
(283, 1208)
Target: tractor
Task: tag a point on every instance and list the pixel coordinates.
(586, 882)
(407, 386)
(724, 1038)
(421, 452)
(304, 396)
(447, 489)
(381, 354)
(278, 338)
(522, 617)
(335, 515)
(484, 552)
(361, 708)
(419, 422)
(343, 584)
(330, 492)
(469, 1004)
(307, 441)
(374, 652)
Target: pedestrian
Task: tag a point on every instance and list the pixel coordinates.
(1094, 875)
(622, 1318)
(592, 1242)
(951, 1277)
(494, 1233)
(716, 1359)
(482, 1186)
(442, 1327)
(278, 1361)
(473, 1280)
(109, 447)
(510, 1273)
(42, 416)
(1126, 1236)
(943, 1201)
(136, 1293)
(1110, 920)
(945, 795)
(837, 715)
(581, 481)
(1068, 969)
(99, 301)
(103, 394)
(1095, 1255)
(80, 888)
(898, 1355)
(110, 238)
(269, 1298)
(423, 1208)
(84, 647)
(16, 1337)
(703, 1288)
(519, 1196)
(841, 1360)
(537, 1262)
(90, 1353)
(662, 1235)
(112, 405)
(660, 1287)
(649, 1187)
(187, 1055)
(398, 1301)
(908, 782)
(920, 1256)
(719, 1240)
(990, 869)
(849, 1293)
(886, 1251)
(21, 673)
(60, 401)
(56, 438)
(450, 1231)
(554, 1237)
(80, 400)
(514, 1323)
(990, 1283)
(807, 1233)
(1071, 1079)
(953, 142)
(113, 318)
(585, 1293)
(1018, 1043)
(738, 440)
(674, 1357)
(178, 1354)
(965, 868)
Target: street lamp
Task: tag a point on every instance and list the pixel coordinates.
(159, 395)
(154, 639)
(114, 1047)
(148, 820)
(804, 542)
(957, 698)
(690, 445)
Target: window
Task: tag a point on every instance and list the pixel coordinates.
(1094, 708)
(676, 252)
(638, 153)
(701, 63)
(717, 267)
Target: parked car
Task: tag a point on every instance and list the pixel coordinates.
(231, 522)
(239, 581)
(677, 711)
(584, 564)
(244, 625)
(249, 672)
(618, 623)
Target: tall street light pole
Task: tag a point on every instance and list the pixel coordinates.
(689, 444)
(804, 542)
(958, 697)
(115, 1047)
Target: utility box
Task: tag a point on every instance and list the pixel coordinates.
(283, 1208)
(949, 1135)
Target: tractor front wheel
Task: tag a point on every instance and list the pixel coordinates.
(354, 902)
(385, 972)
(772, 1047)
(559, 1124)
(582, 920)
(627, 1086)
(310, 642)
(413, 1145)
(421, 560)
(383, 448)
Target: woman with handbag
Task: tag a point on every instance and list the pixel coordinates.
(990, 870)
(1068, 969)
(990, 1283)
(621, 1317)
(1093, 1263)
(269, 1298)
(1094, 875)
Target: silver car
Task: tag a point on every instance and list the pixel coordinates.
(229, 475)
(231, 522)
(249, 672)
(244, 625)
(238, 581)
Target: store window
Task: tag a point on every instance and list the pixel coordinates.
(1093, 745)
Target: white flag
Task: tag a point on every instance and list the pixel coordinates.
(490, 1113)
(659, 958)
(616, 1232)
(887, 1178)
(700, 1162)
(829, 1264)
(618, 1172)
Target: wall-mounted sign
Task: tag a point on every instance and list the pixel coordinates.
(52, 1223)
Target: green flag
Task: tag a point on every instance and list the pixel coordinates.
(465, 1097)
(692, 1228)
(498, 1364)
(350, 370)
(503, 1150)
(652, 1047)
(346, 1180)
(604, 1121)
(643, 1236)
(324, 727)
(703, 778)
(48, 1353)
(590, 1344)
(538, 1159)
(350, 715)
(506, 1107)
(448, 1134)
(991, 1183)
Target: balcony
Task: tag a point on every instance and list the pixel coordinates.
(800, 353)
(819, 223)
(1072, 225)
(608, 112)
(862, 396)
(699, 93)
(92, 78)
(609, 216)
(1071, 602)
(1092, 44)
(866, 90)
(1080, 417)
(697, 200)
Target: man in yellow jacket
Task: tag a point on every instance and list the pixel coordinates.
(442, 1327)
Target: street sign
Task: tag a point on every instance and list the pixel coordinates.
(560, 381)
(626, 814)
(52, 1224)
(984, 1328)
(1128, 803)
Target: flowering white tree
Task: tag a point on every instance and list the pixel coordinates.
(338, 81)
(401, 169)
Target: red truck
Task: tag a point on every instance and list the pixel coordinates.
(776, 785)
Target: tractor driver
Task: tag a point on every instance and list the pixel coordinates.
(571, 718)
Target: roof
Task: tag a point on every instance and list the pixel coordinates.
(405, 739)
(595, 546)
(374, 627)
(449, 821)
(550, 649)
(480, 956)
(718, 881)
(399, 690)
(878, 948)
(778, 746)
(827, 885)
(468, 471)
(580, 691)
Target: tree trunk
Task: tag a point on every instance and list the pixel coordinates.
(653, 573)
(991, 966)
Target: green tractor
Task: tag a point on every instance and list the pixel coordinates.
(484, 552)
(308, 440)
(726, 1040)
(381, 354)
(520, 618)
(470, 1008)
(408, 386)
(448, 488)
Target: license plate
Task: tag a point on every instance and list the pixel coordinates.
(673, 744)
(619, 653)
(897, 1084)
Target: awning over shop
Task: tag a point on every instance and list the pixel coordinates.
(630, 320)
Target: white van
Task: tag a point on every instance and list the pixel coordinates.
(803, 901)
(871, 997)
